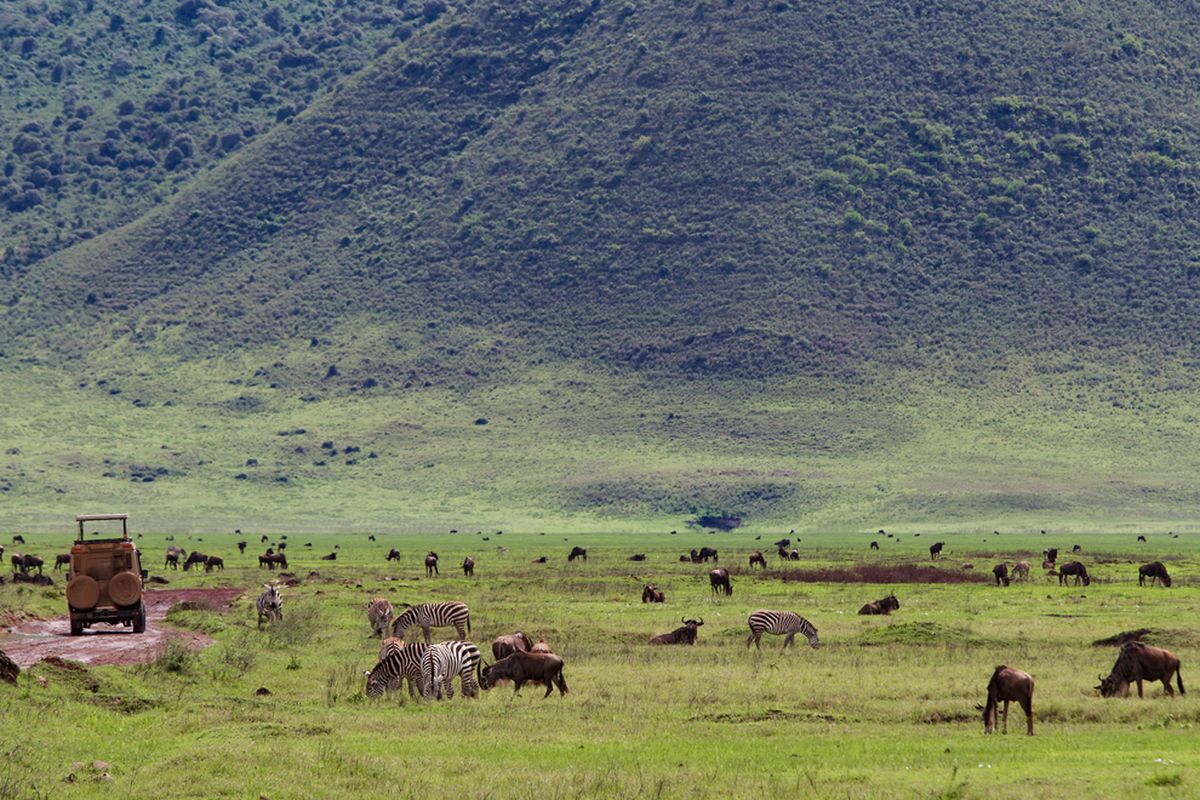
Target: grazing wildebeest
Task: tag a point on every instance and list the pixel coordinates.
(757, 558)
(271, 559)
(1008, 685)
(522, 668)
(214, 562)
(1141, 538)
(885, 606)
(371, 538)
(1076, 549)
(1050, 553)
(874, 545)
(935, 550)
(431, 567)
(684, 635)
(782, 553)
(504, 646)
(23, 564)
(1001, 573)
(719, 578)
(1138, 662)
(577, 552)
(194, 557)
(1155, 572)
(65, 559)
(651, 594)
(241, 546)
(794, 555)
(637, 557)
(539, 560)
(1020, 570)
(330, 557)
(263, 540)
(393, 555)
(283, 546)
(468, 566)
(1075, 569)
(706, 553)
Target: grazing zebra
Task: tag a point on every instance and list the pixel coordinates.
(397, 662)
(778, 623)
(434, 615)
(379, 613)
(445, 660)
(270, 604)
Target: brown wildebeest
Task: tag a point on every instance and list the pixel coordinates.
(1138, 662)
(708, 552)
(885, 606)
(684, 635)
(757, 558)
(214, 562)
(719, 578)
(522, 668)
(393, 555)
(194, 557)
(1155, 572)
(577, 552)
(541, 647)
(1001, 573)
(637, 557)
(1008, 685)
(510, 643)
(1020, 570)
(651, 594)
(468, 566)
(431, 568)
(1076, 570)
(935, 550)
(64, 559)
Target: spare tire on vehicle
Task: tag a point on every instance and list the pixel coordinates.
(125, 588)
(83, 592)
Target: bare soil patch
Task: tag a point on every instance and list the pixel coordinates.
(880, 573)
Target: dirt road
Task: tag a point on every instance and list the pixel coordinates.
(30, 642)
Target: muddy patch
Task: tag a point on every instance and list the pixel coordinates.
(879, 573)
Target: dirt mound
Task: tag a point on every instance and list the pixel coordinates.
(879, 573)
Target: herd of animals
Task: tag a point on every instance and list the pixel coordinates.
(429, 668)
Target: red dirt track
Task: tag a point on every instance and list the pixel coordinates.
(30, 642)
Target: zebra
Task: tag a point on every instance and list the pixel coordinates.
(379, 613)
(434, 615)
(780, 622)
(445, 660)
(270, 604)
(397, 661)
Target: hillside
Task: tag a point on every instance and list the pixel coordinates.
(864, 232)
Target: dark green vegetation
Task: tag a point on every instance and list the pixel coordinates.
(804, 263)
(884, 709)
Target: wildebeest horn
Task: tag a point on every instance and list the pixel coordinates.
(979, 707)
(700, 621)
(684, 621)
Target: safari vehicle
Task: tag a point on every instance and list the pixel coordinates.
(104, 583)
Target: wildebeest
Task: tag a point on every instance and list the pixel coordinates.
(705, 554)
(431, 568)
(522, 668)
(264, 539)
(1020, 570)
(1155, 572)
(173, 555)
(371, 538)
(757, 558)
(23, 564)
(540, 646)
(64, 559)
(539, 560)
(719, 578)
(874, 545)
(1001, 573)
(637, 557)
(468, 566)
(794, 555)
(1008, 685)
(393, 555)
(1137, 662)
(283, 546)
(782, 553)
(782, 543)
(194, 557)
(504, 646)
(241, 546)
(330, 557)
(214, 562)
(1075, 569)
(18, 539)
(651, 594)
(884, 606)
(935, 550)
(683, 635)
(1141, 538)
(1050, 553)
(1076, 549)
(577, 552)
(270, 559)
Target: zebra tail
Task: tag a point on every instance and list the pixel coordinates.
(468, 622)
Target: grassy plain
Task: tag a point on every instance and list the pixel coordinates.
(883, 709)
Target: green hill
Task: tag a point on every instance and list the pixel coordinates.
(809, 263)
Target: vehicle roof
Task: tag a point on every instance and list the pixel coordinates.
(99, 517)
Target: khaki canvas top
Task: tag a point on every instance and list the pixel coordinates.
(99, 517)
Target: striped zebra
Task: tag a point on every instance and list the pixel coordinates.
(397, 662)
(445, 660)
(434, 615)
(269, 604)
(780, 622)
(379, 613)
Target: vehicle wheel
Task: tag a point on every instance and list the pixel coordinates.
(139, 619)
(76, 628)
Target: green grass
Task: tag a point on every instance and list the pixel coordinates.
(884, 709)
